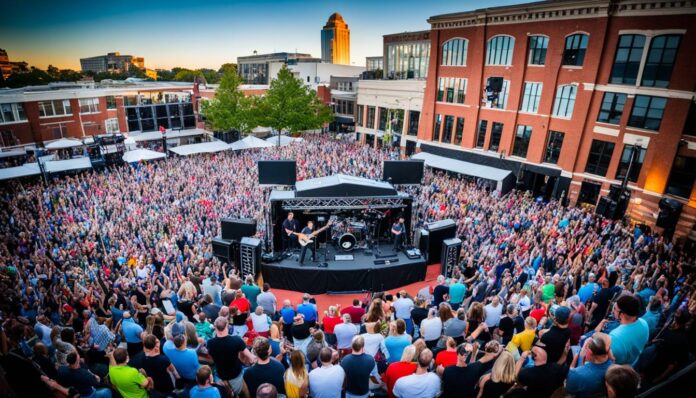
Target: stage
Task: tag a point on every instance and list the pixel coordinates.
(359, 274)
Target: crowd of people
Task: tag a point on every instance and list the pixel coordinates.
(110, 289)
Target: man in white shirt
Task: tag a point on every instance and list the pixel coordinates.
(422, 384)
(402, 310)
(344, 333)
(327, 380)
(494, 311)
(268, 301)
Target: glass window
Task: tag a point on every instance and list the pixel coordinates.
(660, 62)
(360, 115)
(383, 119)
(681, 178)
(531, 97)
(447, 132)
(436, 129)
(407, 60)
(627, 60)
(20, 112)
(553, 146)
(565, 101)
(370, 117)
(647, 112)
(625, 160)
(495, 98)
(499, 50)
(599, 158)
(397, 120)
(612, 108)
(112, 125)
(110, 102)
(481, 135)
(6, 113)
(575, 47)
(690, 125)
(522, 138)
(441, 89)
(54, 108)
(413, 119)
(89, 105)
(461, 90)
(454, 52)
(496, 134)
(537, 49)
(459, 131)
(450, 90)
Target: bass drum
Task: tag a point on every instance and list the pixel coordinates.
(347, 242)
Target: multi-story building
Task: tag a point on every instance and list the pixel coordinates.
(344, 94)
(374, 63)
(111, 62)
(8, 67)
(255, 69)
(573, 97)
(406, 55)
(335, 41)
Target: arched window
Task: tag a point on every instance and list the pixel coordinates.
(627, 60)
(454, 52)
(658, 66)
(565, 101)
(537, 49)
(575, 47)
(499, 50)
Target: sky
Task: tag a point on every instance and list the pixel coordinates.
(201, 33)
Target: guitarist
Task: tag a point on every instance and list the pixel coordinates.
(291, 226)
(308, 231)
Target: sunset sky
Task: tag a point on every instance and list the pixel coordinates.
(198, 34)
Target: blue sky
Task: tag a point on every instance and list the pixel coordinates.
(203, 33)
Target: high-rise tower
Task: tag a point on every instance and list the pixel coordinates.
(335, 41)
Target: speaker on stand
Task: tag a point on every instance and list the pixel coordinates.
(451, 248)
(249, 256)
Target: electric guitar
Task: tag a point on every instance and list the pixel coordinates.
(305, 239)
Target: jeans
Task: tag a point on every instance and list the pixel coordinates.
(99, 393)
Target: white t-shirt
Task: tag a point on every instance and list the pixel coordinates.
(493, 315)
(525, 304)
(375, 342)
(431, 329)
(326, 382)
(344, 334)
(426, 385)
(262, 323)
(402, 308)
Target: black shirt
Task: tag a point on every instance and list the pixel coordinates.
(555, 340)
(460, 382)
(507, 326)
(542, 381)
(601, 298)
(272, 372)
(225, 352)
(301, 331)
(81, 379)
(358, 369)
(439, 293)
(156, 367)
(418, 314)
(291, 225)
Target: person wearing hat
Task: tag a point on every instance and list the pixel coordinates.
(556, 337)
(588, 379)
(630, 337)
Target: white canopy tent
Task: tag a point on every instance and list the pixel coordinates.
(29, 169)
(142, 154)
(502, 178)
(56, 166)
(169, 134)
(284, 140)
(9, 154)
(204, 147)
(63, 143)
(250, 142)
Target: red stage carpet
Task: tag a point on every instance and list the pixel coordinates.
(345, 300)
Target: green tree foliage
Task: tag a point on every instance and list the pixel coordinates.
(186, 75)
(289, 105)
(230, 109)
(227, 67)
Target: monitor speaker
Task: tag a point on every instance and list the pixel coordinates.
(237, 228)
(222, 249)
(277, 172)
(670, 210)
(423, 241)
(438, 232)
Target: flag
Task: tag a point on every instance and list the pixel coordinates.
(162, 129)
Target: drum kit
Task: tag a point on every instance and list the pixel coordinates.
(356, 233)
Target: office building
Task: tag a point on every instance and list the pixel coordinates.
(255, 69)
(335, 41)
(111, 62)
(406, 55)
(344, 94)
(565, 94)
(374, 63)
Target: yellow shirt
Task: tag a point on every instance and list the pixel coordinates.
(524, 339)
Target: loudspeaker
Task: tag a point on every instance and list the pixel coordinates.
(495, 83)
(668, 217)
(249, 256)
(277, 172)
(439, 231)
(605, 207)
(237, 228)
(423, 241)
(222, 249)
(450, 256)
(403, 171)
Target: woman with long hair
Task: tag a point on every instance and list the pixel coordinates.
(296, 377)
(501, 378)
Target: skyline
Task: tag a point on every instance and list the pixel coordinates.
(180, 33)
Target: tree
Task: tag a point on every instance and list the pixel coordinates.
(291, 106)
(165, 75)
(230, 109)
(227, 67)
(211, 76)
(186, 75)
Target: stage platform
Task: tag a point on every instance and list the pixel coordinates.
(360, 274)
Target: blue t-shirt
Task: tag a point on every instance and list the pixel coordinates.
(185, 362)
(627, 341)
(206, 392)
(395, 345)
(309, 311)
(131, 331)
(287, 314)
(585, 293)
(457, 292)
(587, 379)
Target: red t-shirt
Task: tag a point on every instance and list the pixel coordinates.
(395, 371)
(242, 304)
(538, 314)
(446, 358)
(330, 323)
(356, 313)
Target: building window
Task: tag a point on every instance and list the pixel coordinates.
(461, 90)
(496, 134)
(130, 100)
(436, 129)
(441, 89)
(681, 179)
(459, 131)
(537, 49)
(647, 112)
(599, 157)
(407, 60)
(8, 138)
(690, 125)
(370, 117)
(531, 97)
(575, 47)
(54, 108)
(89, 105)
(110, 102)
(481, 135)
(553, 146)
(565, 101)
(499, 50)
(627, 61)
(11, 113)
(612, 108)
(497, 91)
(112, 125)
(397, 120)
(626, 160)
(360, 115)
(447, 132)
(660, 62)
(413, 119)
(454, 52)
(383, 119)
(451, 90)
(521, 144)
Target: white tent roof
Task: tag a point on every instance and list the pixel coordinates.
(28, 169)
(260, 129)
(284, 140)
(204, 147)
(129, 141)
(156, 135)
(461, 167)
(63, 143)
(250, 142)
(56, 166)
(142, 154)
(7, 154)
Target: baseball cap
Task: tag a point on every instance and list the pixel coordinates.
(562, 315)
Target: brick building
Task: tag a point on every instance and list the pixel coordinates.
(565, 93)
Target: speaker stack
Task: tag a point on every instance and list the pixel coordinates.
(450, 256)
(437, 232)
(249, 256)
(226, 247)
(668, 217)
